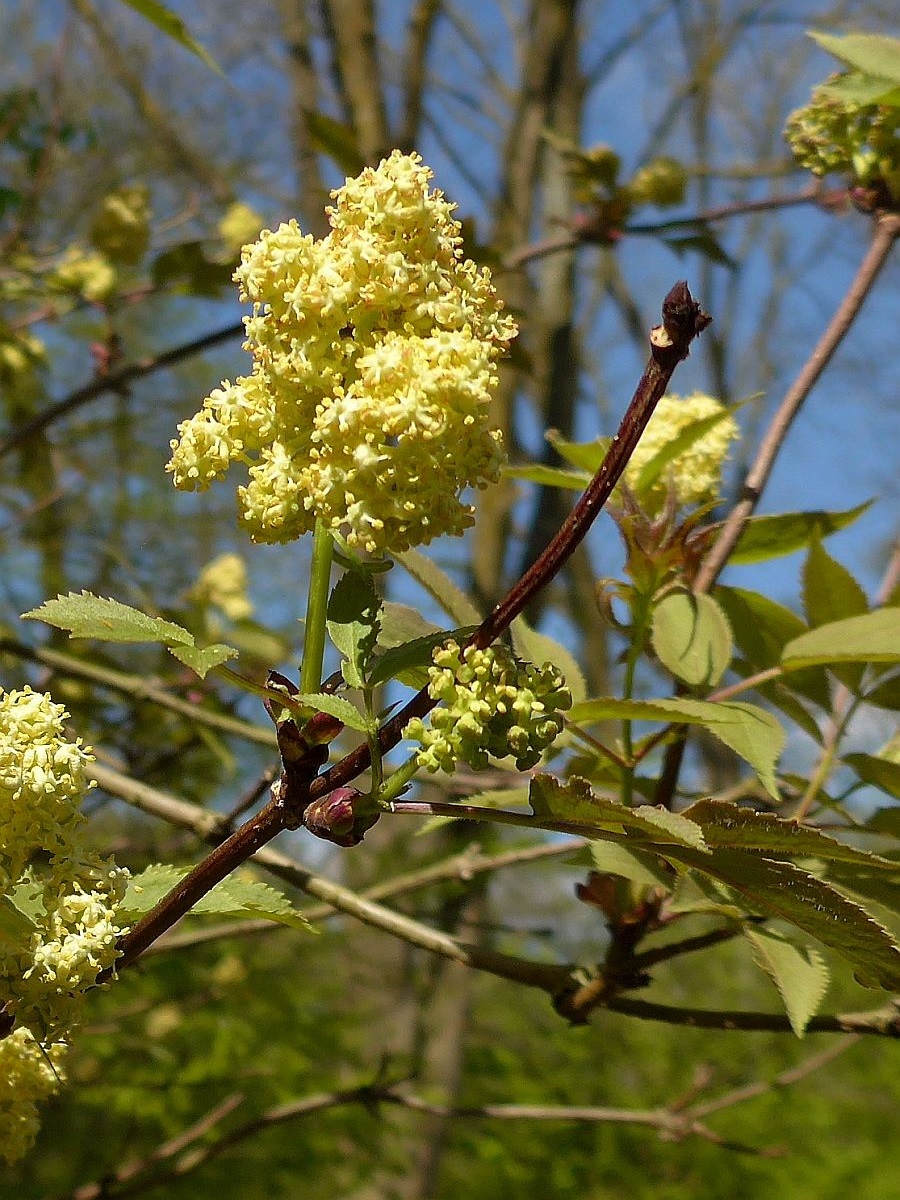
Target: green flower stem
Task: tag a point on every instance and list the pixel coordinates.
(316, 608)
(396, 785)
(377, 765)
(827, 758)
(641, 619)
(595, 744)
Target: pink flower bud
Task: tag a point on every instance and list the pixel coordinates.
(342, 817)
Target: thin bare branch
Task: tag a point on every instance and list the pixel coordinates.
(211, 827)
(419, 33)
(461, 867)
(115, 381)
(140, 689)
(882, 1022)
(886, 232)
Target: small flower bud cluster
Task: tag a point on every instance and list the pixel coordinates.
(831, 135)
(696, 473)
(374, 362)
(60, 930)
(493, 706)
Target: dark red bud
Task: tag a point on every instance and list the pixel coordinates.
(321, 728)
(342, 817)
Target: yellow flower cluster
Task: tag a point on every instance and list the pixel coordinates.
(223, 584)
(28, 1075)
(374, 353)
(59, 930)
(696, 472)
(42, 781)
(85, 272)
(493, 706)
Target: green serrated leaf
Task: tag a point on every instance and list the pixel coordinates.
(146, 889)
(642, 868)
(558, 477)
(410, 662)
(334, 139)
(584, 456)
(353, 621)
(691, 637)
(882, 889)
(89, 616)
(335, 706)
(575, 802)
(171, 25)
(750, 732)
(768, 537)
(202, 661)
(858, 88)
(704, 243)
(401, 623)
(799, 973)
(237, 897)
(782, 698)
(762, 627)
(871, 53)
(873, 637)
(405, 643)
(878, 772)
(655, 467)
(781, 889)
(830, 592)
(729, 826)
(16, 927)
(454, 602)
(538, 648)
(187, 264)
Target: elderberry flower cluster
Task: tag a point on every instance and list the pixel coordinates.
(493, 706)
(59, 901)
(695, 474)
(29, 1074)
(834, 135)
(223, 584)
(374, 362)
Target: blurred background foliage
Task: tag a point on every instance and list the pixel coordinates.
(130, 173)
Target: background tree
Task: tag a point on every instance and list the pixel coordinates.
(597, 152)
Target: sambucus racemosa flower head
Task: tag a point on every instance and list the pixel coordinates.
(374, 360)
(694, 474)
(60, 930)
